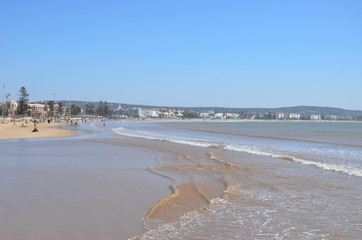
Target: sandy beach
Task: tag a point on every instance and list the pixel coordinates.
(74, 188)
(24, 131)
(109, 185)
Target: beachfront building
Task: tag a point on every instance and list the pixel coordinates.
(11, 107)
(204, 115)
(232, 115)
(219, 115)
(170, 113)
(164, 114)
(294, 116)
(315, 117)
(280, 116)
(179, 114)
(147, 113)
(57, 110)
(38, 109)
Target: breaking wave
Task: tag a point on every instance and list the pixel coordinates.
(239, 148)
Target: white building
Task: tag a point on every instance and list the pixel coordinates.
(204, 115)
(147, 113)
(219, 115)
(163, 114)
(333, 117)
(295, 116)
(179, 114)
(232, 115)
(280, 116)
(37, 107)
(315, 117)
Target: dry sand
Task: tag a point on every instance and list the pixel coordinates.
(17, 131)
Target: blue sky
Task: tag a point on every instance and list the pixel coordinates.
(244, 53)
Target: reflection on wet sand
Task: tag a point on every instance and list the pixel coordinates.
(75, 189)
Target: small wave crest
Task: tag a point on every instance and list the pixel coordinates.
(193, 142)
(246, 149)
(326, 166)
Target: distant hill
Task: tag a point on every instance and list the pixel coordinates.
(303, 110)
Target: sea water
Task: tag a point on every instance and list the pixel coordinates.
(305, 182)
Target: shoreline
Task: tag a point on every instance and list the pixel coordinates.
(192, 191)
(148, 186)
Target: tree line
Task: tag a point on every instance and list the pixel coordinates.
(24, 109)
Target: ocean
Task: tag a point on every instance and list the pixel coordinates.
(256, 180)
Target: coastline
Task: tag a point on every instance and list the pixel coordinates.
(9, 131)
(192, 178)
(134, 188)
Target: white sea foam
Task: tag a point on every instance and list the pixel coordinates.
(193, 142)
(239, 148)
(326, 166)
(223, 219)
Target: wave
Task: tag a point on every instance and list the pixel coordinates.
(193, 142)
(326, 166)
(242, 148)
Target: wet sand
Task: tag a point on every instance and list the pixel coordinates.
(197, 176)
(75, 189)
(118, 188)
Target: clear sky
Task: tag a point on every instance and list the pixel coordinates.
(225, 53)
